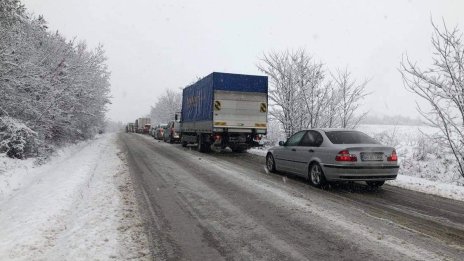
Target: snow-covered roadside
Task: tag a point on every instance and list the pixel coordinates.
(408, 182)
(80, 206)
(430, 187)
(260, 151)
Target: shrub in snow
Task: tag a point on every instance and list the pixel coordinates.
(425, 147)
(16, 139)
(388, 138)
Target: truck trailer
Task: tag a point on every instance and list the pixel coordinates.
(130, 127)
(225, 110)
(142, 125)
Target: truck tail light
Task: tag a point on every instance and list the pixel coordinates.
(393, 156)
(345, 155)
(217, 137)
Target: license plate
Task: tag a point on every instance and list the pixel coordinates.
(371, 156)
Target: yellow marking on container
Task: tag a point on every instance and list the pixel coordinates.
(217, 105)
(261, 125)
(220, 123)
(263, 107)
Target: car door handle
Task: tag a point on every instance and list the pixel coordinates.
(293, 149)
(310, 150)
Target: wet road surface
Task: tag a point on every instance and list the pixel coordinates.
(225, 206)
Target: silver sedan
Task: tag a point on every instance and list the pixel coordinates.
(324, 155)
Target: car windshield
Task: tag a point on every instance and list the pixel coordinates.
(349, 137)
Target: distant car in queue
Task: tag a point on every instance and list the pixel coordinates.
(159, 131)
(324, 155)
(172, 132)
(146, 129)
(152, 131)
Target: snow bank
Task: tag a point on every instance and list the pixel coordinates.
(15, 174)
(430, 187)
(80, 206)
(260, 151)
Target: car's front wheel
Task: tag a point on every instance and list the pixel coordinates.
(270, 163)
(316, 175)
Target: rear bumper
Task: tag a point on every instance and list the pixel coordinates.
(360, 173)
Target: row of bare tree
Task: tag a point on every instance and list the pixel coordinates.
(304, 94)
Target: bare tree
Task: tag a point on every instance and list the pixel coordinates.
(284, 91)
(348, 95)
(299, 93)
(442, 87)
(166, 107)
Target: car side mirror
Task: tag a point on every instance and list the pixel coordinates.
(281, 143)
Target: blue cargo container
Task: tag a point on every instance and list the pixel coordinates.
(224, 104)
(197, 99)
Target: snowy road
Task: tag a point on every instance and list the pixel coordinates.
(226, 207)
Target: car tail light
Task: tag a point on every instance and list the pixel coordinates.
(345, 155)
(258, 137)
(393, 156)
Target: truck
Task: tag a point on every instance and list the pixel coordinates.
(142, 125)
(224, 110)
(130, 127)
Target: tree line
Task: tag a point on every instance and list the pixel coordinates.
(54, 89)
(304, 94)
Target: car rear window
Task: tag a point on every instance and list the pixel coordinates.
(349, 137)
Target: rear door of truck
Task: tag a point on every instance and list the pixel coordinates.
(240, 111)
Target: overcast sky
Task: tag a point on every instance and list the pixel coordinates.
(157, 45)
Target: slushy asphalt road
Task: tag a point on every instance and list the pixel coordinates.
(225, 206)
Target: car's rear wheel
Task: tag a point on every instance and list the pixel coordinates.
(375, 184)
(316, 175)
(270, 163)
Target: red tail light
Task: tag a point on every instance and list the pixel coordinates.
(345, 155)
(258, 137)
(393, 156)
(217, 137)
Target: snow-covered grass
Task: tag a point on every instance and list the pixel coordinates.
(260, 151)
(419, 156)
(79, 206)
(424, 165)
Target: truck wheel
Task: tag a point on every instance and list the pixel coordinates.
(203, 146)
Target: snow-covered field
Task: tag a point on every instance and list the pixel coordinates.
(79, 206)
(424, 166)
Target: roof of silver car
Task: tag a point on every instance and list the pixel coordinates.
(332, 129)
